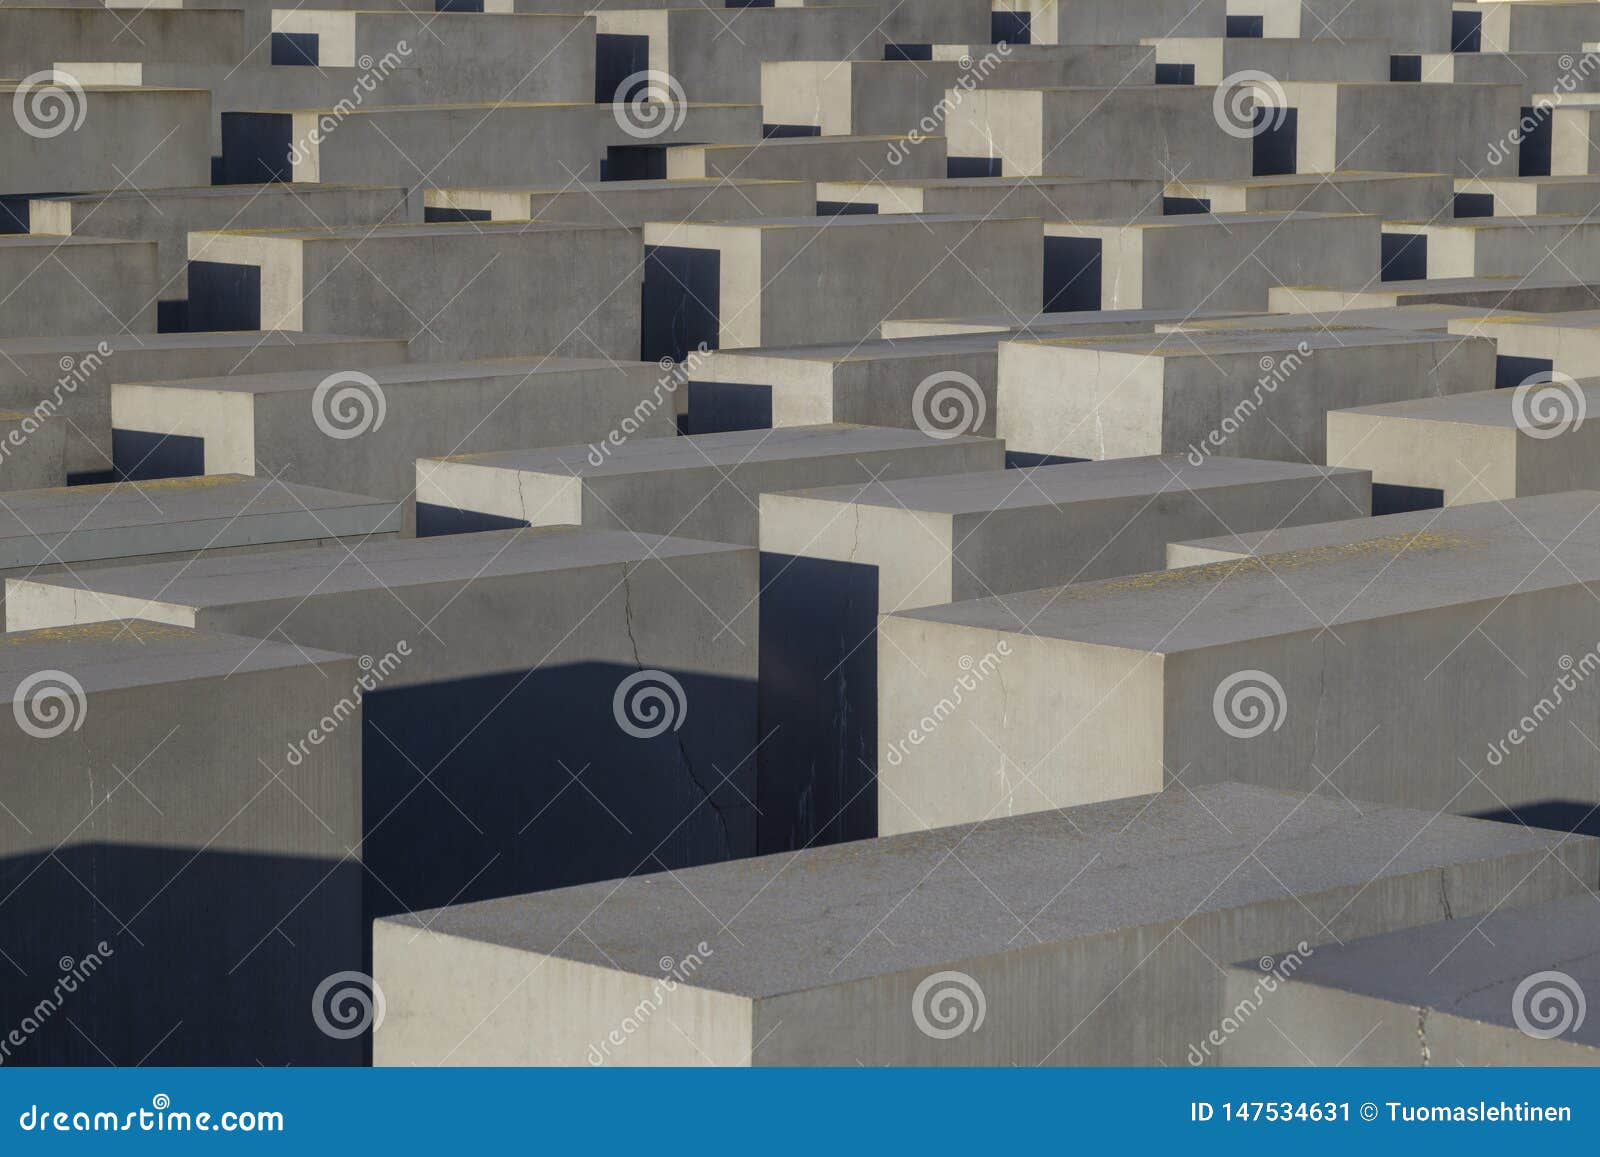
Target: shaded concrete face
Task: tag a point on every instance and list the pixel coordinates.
(805, 983)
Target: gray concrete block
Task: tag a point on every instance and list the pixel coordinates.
(1564, 245)
(1544, 294)
(1507, 988)
(34, 37)
(1217, 59)
(512, 664)
(1117, 21)
(1544, 27)
(1392, 196)
(706, 486)
(1411, 25)
(61, 285)
(1408, 318)
(32, 452)
(895, 951)
(453, 291)
(1451, 644)
(811, 158)
(1083, 322)
(1049, 198)
(1530, 196)
(70, 377)
(148, 794)
(1535, 344)
(1258, 395)
(629, 203)
(834, 559)
(1534, 73)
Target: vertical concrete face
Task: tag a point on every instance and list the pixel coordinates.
(621, 974)
(72, 139)
(45, 286)
(1498, 247)
(218, 824)
(629, 203)
(1392, 196)
(1106, 22)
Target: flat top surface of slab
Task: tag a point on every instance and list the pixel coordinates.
(849, 220)
(1076, 318)
(1432, 316)
(1570, 319)
(1472, 968)
(398, 374)
(106, 656)
(278, 190)
(1342, 177)
(368, 233)
(57, 240)
(842, 913)
(1315, 577)
(1432, 285)
(702, 451)
(389, 565)
(875, 349)
(1480, 408)
(662, 185)
(989, 490)
(246, 341)
(1218, 342)
(1565, 221)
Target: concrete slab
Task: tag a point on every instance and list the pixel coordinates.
(1536, 345)
(842, 953)
(1083, 322)
(1050, 198)
(60, 285)
(1565, 245)
(811, 158)
(1110, 22)
(1546, 294)
(1412, 25)
(1531, 196)
(1216, 59)
(1393, 196)
(629, 203)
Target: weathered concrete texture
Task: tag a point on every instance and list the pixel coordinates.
(1393, 196)
(902, 96)
(167, 216)
(1099, 950)
(786, 281)
(1410, 318)
(1506, 988)
(834, 559)
(60, 285)
(70, 377)
(453, 291)
(704, 486)
(1259, 395)
(1477, 447)
(628, 202)
(718, 55)
(32, 451)
(1529, 196)
(1082, 322)
(1117, 21)
(365, 431)
(1411, 25)
(1561, 245)
(812, 158)
(1224, 261)
(1534, 73)
(1050, 198)
(1545, 294)
(1545, 27)
(1443, 128)
(501, 665)
(1151, 131)
(1323, 659)
(32, 38)
(158, 137)
(150, 760)
(1217, 59)
(1535, 344)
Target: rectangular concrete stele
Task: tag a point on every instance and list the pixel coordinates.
(1410, 25)
(834, 559)
(78, 528)
(839, 98)
(705, 485)
(1214, 60)
(794, 280)
(1083, 322)
(1547, 293)
(1393, 196)
(1410, 318)
(1505, 989)
(70, 377)
(222, 828)
(1050, 198)
(167, 216)
(514, 57)
(1322, 659)
(32, 37)
(60, 285)
(1543, 27)
(716, 55)
(629, 203)
(1443, 128)
(364, 430)
(1117, 21)
(1565, 245)
(453, 291)
(1533, 196)
(838, 956)
(499, 143)
(1223, 261)
(1151, 131)
(75, 139)
(1534, 73)
(1258, 395)
(1479, 447)
(32, 451)
(505, 665)
(1533, 346)
(812, 158)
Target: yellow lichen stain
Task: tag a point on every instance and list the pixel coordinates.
(130, 630)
